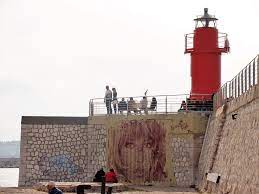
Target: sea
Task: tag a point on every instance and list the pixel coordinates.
(9, 177)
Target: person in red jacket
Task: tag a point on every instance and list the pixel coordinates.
(111, 177)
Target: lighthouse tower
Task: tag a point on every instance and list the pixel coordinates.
(205, 46)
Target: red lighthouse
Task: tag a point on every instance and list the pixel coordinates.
(205, 46)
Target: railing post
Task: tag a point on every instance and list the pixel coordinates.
(249, 75)
(226, 92)
(221, 97)
(92, 107)
(229, 89)
(232, 88)
(253, 73)
(235, 87)
(185, 42)
(238, 85)
(166, 104)
(245, 79)
(103, 185)
(242, 86)
(89, 110)
(257, 69)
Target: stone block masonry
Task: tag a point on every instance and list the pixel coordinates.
(60, 149)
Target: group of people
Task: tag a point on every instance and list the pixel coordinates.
(109, 177)
(196, 105)
(110, 99)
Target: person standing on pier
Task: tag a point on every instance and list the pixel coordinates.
(114, 100)
(108, 100)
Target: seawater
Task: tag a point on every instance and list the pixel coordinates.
(9, 177)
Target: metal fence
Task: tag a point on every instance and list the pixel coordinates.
(161, 104)
(189, 41)
(241, 83)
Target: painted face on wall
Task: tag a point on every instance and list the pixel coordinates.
(136, 155)
(139, 151)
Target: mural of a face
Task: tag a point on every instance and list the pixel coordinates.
(138, 151)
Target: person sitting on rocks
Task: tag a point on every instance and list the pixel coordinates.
(99, 175)
(51, 186)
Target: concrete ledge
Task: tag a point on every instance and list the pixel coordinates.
(54, 120)
(71, 186)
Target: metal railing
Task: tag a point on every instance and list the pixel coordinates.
(222, 37)
(189, 41)
(240, 84)
(222, 41)
(160, 104)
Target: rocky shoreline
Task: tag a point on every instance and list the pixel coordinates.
(9, 162)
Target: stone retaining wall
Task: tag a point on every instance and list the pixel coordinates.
(59, 149)
(144, 149)
(231, 147)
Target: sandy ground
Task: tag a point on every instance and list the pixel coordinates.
(4, 190)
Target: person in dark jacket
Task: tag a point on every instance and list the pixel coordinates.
(99, 175)
(122, 106)
(51, 186)
(153, 104)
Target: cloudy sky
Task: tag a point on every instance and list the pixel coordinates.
(57, 54)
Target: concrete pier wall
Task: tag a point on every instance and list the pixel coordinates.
(143, 149)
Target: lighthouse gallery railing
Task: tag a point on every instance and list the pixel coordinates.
(222, 37)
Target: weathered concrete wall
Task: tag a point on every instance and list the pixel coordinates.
(60, 149)
(142, 149)
(9, 162)
(231, 147)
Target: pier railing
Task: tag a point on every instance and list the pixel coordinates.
(160, 104)
(240, 84)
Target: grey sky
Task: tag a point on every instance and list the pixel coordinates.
(57, 54)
